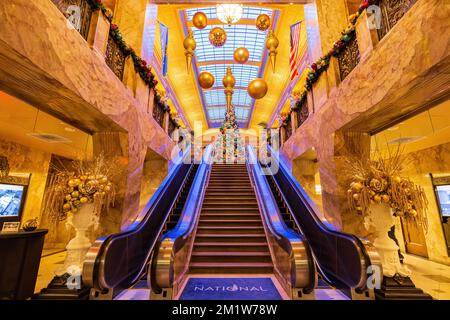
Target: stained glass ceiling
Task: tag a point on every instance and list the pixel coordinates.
(216, 61)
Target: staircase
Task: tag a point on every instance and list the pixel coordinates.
(230, 236)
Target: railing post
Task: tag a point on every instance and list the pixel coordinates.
(129, 75)
(366, 36)
(294, 122)
(142, 92)
(98, 32)
(166, 121)
(151, 102)
(282, 134)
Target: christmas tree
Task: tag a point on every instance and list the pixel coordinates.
(229, 145)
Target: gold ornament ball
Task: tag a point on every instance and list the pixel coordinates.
(263, 22)
(75, 194)
(385, 198)
(377, 198)
(357, 186)
(72, 183)
(241, 55)
(66, 207)
(356, 196)
(217, 37)
(107, 189)
(257, 89)
(206, 80)
(83, 200)
(68, 197)
(199, 20)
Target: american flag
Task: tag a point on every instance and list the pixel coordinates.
(293, 58)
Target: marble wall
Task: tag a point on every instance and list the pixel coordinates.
(25, 160)
(407, 69)
(418, 166)
(73, 83)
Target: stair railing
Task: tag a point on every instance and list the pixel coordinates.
(293, 262)
(171, 257)
(117, 261)
(343, 259)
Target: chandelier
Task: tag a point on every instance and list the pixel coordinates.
(229, 13)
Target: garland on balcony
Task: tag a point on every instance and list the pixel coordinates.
(315, 70)
(141, 66)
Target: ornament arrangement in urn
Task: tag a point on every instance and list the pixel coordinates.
(379, 192)
(78, 195)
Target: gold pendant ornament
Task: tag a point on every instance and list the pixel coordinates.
(189, 46)
(241, 55)
(217, 37)
(228, 82)
(206, 80)
(257, 89)
(263, 22)
(200, 20)
(272, 45)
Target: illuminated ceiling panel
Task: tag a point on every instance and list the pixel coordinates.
(216, 61)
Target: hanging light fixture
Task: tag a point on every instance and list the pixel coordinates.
(229, 13)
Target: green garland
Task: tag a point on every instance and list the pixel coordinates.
(140, 65)
(321, 65)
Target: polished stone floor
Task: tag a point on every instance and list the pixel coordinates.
(432, 277)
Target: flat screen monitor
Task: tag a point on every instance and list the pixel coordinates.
(443, 193)
(11, 200)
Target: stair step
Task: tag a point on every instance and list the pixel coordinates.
(235, 246)
(229, 216)
(236, 237)
(210, 203)
(231, 267)
(230, 256)
(230, 210)
(230, 230)
(230, 222)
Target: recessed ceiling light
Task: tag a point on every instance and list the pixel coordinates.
(69, 129)
(392, 128)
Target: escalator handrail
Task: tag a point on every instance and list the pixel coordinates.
(271, 213)
(93, 272)
(313, 210)
(273, 218)
(192, 207)
(162, 267)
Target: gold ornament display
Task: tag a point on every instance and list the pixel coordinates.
(257, 89)
(189, 48)
(200, 20)
(228, 82)
(272, 45)
(263, 22)
(206, 80)
(87, 182)
(217, 37)
(241, 55)
(379, 181)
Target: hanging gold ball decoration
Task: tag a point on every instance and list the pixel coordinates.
(189, 45)
(206, 80)
(241, 55)
(199, 20)
(257, 89)
(217, 37)
(263, 22)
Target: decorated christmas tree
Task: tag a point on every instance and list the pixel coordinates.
(229, 145)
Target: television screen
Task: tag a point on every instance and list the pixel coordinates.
(11, 197)
(443, 193)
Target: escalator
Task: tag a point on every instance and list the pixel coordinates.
(118, 261)
(341, 259)
(230, 225)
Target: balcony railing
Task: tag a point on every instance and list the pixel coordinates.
(158, 112)
(302, 112)
(78, 12)
(288, 127)
(392, 11)
(348, 59)
(171, 128)
(115, 57)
